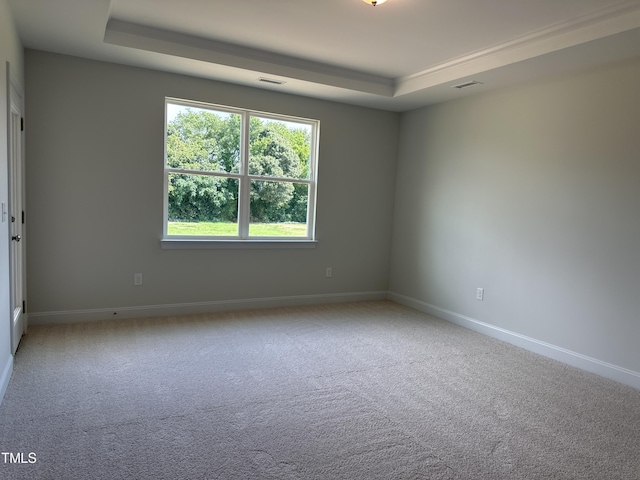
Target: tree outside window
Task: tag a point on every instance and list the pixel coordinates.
(238, 174)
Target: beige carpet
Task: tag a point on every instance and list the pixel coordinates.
(356, 391)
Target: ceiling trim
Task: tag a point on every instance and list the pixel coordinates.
(142, 37)
(605, 22)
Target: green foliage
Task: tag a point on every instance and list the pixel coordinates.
(202, 140)
(201, 198)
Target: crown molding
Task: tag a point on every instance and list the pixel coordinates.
(602, 23)
(167, 42)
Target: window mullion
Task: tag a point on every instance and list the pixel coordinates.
(279, 179)
(165, 202)
(245, 184)
(313, 186)
(209, 173)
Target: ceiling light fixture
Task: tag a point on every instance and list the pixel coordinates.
(374, 2)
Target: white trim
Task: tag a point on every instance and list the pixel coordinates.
(244, 183)
(142, 37)
(584, 362)
(609, 20)
(592, 26)
(17, 207)
(6, 376)
(207, 243)
(75, 316)
(578, 360)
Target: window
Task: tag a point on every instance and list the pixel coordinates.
(233, 174)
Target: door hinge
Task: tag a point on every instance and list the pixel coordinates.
(22, 124)
(23, 217)
(24, 306)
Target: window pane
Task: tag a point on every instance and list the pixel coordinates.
(202, 205)
(203, 139)
(278, 209)
(278, 148)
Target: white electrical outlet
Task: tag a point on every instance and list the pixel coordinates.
(480, 294)
(329, 272)
(137, 279)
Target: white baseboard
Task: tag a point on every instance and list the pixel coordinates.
(584, 362)
(76, 316)
(6, 376)
(593, 365)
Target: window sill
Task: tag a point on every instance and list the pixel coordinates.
(198, 244)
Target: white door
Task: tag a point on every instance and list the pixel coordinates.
(16, 217)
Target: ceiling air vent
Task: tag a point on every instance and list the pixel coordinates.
(271, 81)
(471, 83)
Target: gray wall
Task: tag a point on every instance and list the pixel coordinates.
(533, 194)
(10, 51)
(94, 193)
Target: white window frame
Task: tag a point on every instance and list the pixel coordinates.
(243, 240)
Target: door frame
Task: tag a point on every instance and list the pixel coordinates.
(16, 190)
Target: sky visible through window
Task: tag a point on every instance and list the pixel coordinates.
(173, 110)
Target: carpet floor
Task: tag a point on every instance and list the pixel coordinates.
(368, 390)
